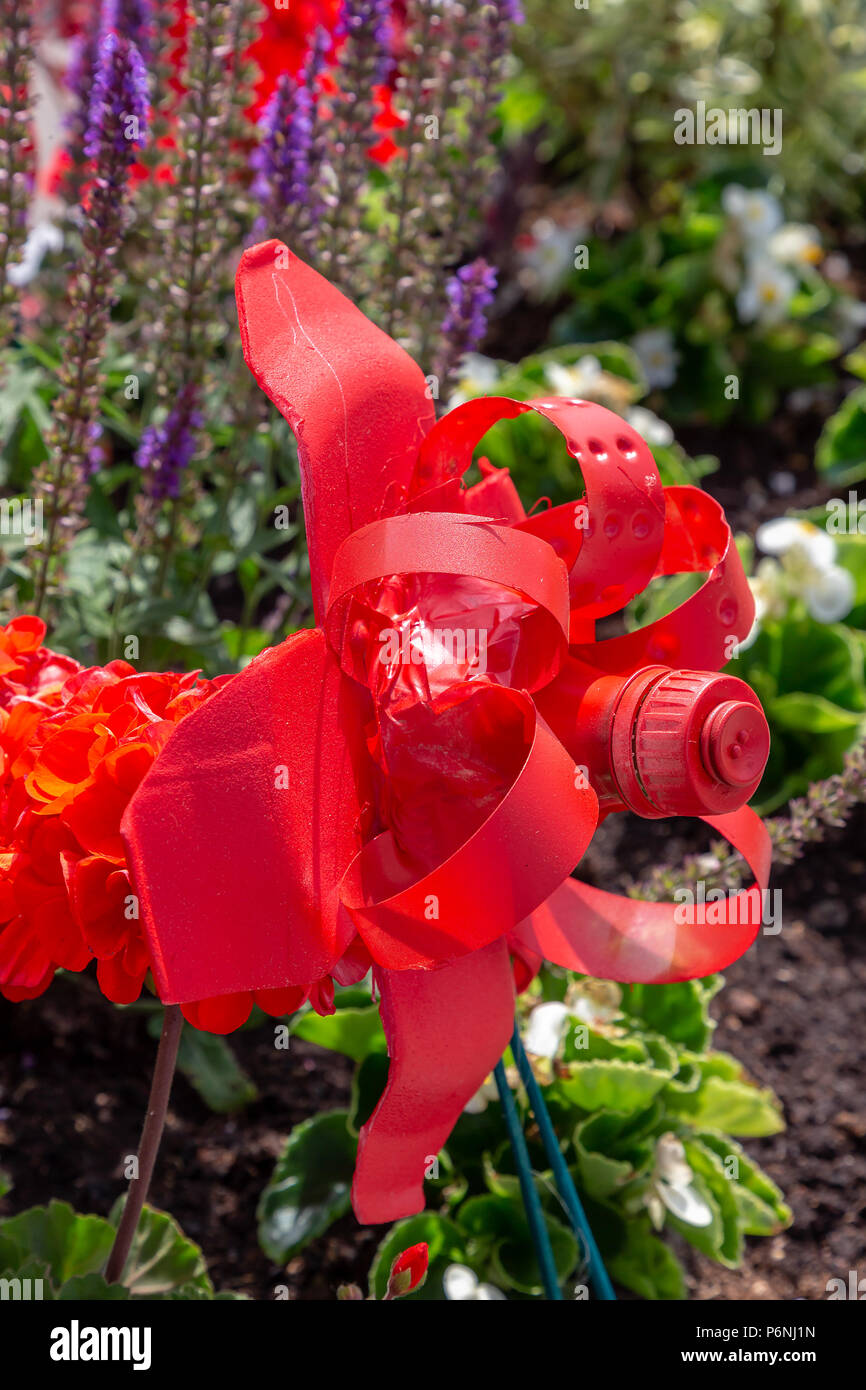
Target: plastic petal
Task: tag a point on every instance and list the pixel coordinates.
(619, 526)
(535, 835)
(702, 632)
(446, 1031)
(628, 940)
(356, 401)
(240, 833)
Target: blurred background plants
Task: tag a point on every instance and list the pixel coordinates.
(711, 295)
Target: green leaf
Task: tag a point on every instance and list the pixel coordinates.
(841, 449)
(310, 1187)
(611, 1148)
(446, 1245)
(680, 1011)
(613, 1083)
(728, 1102)
(813, 714)
(67, 1243)
(500, 1225)
(723, 1237)
(761, 1205)
(354, 1032)
(161, 1257)
(92, 1288)
(646, 1265)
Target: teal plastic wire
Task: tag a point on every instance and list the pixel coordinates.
(598, 1275)
(531, 1199)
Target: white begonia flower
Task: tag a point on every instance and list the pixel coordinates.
(547, 1023)
(41, 239)
(478, 1103)
(768, 589)
(478, 376)
(461, 1285)
(829, 595)
(766, 292)
(550, 254)
(808, 570)
(649, 426)
(654, 349)
(673, 1186)
(785, 533)
(796, 245)
(577, 381)
(755, 212)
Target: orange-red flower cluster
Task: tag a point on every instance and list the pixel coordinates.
(75, 744)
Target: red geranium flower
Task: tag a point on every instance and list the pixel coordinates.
(411, 784)
(75, 745)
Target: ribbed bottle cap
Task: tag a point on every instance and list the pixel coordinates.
(700, 743)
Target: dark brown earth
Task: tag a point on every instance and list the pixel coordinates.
(792, 1012)
(74, 1079)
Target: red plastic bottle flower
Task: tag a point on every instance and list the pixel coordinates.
(411, 784)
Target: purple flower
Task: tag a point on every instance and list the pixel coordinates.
(133, 20)
(284, 162)
(117, 117)
(470, 294)
(512, 11)
(166, 450)
(369, 23)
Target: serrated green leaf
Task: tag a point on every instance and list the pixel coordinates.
(500, 1224)
(761, 1205)
(66, 1242)
(161, 1257)
(310, 1187)
(646, 1265)
(734, 1106)
(92, 1288)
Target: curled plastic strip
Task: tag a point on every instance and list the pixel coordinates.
(534, 837)
(619, 524)
(446, 1031)
(626, 939)
(455, 544)
(704, 630)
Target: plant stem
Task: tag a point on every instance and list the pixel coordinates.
(151, 1135)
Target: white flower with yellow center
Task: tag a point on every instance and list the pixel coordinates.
(807, 570)
(796, 245)
(766, 292)
(659, 359)
(478, 377)
(755, 213)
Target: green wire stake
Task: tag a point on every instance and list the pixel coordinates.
(598, 1275)
(531, 1199)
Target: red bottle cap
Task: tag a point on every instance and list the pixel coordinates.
(700, 743)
